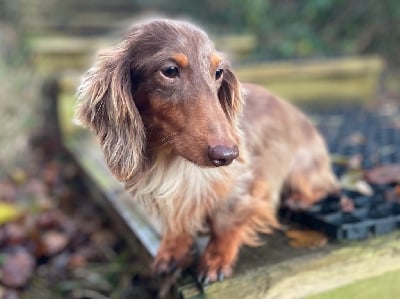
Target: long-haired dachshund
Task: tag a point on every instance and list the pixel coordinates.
(195, 147)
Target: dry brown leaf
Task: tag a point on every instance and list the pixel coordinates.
(306, 238)
(346, 204)
(393, 195)
(383, 175)
(17, 268)
(77, 260)
(14, 233)
(53, 242)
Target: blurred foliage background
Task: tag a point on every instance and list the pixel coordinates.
(285, 28)
(302, 28)
(273, 30)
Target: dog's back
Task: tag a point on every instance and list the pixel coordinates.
(285, 149)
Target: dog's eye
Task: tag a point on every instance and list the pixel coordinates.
(170, 72)
(218, 74)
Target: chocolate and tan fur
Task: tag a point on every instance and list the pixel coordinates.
(195, 147)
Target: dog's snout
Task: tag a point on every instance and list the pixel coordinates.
(222, 155)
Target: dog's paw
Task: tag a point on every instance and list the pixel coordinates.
(173, 253)
(215, 264)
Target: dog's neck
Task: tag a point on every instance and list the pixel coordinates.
(172, 186)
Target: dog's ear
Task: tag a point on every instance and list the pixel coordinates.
(229, 94)
(106, 105)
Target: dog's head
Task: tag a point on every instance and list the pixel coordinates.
(163, 87)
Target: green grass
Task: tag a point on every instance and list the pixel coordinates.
(386, 286)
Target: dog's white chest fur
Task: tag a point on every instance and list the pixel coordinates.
(178, 192)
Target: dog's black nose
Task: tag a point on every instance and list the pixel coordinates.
(222, 156)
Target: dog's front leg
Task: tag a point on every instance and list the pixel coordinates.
(236, 224)
(220, 254)
(175, 252)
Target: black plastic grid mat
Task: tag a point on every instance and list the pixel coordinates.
(373, 137)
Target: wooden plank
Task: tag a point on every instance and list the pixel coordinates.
(40, 27)
(278, 271)
(313, 68)
(341, 79)
(325, 91)
(93, 3)
(383, 286)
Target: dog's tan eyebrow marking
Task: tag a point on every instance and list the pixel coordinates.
(215, 60)
(181, 59)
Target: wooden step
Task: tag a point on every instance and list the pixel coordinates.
(88, 17)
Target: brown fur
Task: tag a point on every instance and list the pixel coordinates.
(156, 130)
(181, 59)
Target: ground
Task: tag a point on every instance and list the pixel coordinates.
(56, 243)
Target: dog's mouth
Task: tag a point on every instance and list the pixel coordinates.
(221, 162)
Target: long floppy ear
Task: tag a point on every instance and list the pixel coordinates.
(230, 95)
(106, 106)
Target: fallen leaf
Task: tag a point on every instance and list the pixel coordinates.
(363, 188)
(354, 181)
(11, 294)
(8, 212)
(77, 260)
(17, 268)
(393, 195)
(14, 233)
(306, 238)
(50, 219)
(383, 175)
(8, 192)
(52, 242)
(346, 204)
(19, 176)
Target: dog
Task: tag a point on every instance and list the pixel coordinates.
(195, 147)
